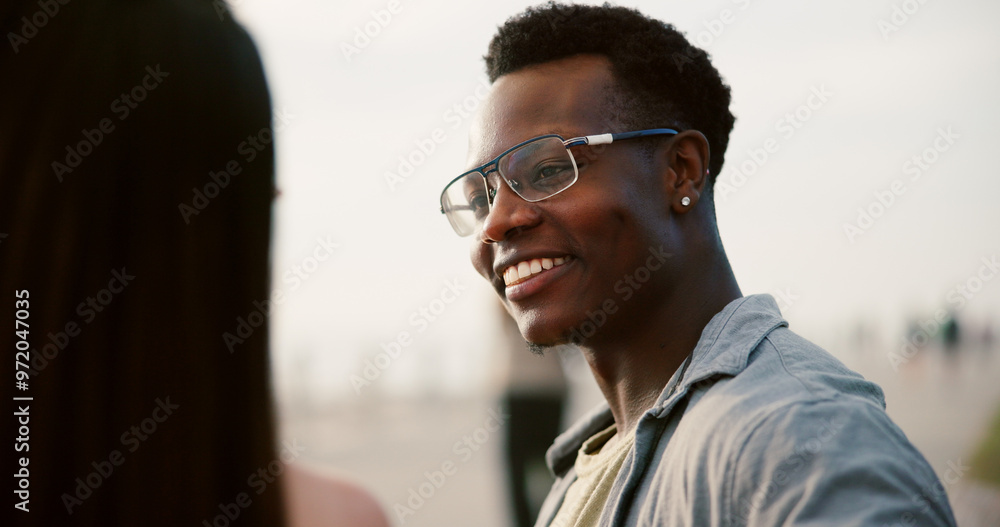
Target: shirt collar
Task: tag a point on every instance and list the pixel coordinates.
(723, 349)
(727, 340)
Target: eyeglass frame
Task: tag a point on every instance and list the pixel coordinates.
(587, 140)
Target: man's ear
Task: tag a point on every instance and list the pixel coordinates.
(687, 159)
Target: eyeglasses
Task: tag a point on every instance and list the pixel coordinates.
(536, 169)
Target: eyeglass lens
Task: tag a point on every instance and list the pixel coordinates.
(535, 171)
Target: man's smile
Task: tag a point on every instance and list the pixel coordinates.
(517, 273)
(530, 276)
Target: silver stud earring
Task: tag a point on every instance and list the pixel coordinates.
(685, 201)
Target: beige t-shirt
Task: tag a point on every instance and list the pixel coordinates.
(596, 470)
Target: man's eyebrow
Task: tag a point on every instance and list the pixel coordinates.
(561, 132)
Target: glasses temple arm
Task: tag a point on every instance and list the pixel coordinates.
(604, 139)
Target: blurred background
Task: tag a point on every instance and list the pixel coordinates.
(870, 216)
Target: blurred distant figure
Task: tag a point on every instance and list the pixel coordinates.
(534, 400)
(950, 334)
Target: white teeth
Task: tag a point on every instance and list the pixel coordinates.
(520, 272)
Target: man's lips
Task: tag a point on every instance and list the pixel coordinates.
(522, 287)
(526, 269)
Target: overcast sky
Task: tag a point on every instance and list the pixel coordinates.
(883, 88)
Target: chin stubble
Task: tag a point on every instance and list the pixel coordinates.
(538, 349)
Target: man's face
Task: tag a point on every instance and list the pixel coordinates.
(604, 226)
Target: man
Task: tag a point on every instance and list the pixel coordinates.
(716, 413)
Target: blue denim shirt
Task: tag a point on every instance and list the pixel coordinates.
(761, 428)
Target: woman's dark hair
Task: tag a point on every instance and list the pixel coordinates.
(117, 114)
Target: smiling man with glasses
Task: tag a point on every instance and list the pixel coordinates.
(598, 146)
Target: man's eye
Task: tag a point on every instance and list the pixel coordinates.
(549, 171)
(479, 204)
(552, 173)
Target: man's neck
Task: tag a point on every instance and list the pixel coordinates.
(633, 365)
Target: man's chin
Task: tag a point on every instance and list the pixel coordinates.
(540, 338)
(542, 334)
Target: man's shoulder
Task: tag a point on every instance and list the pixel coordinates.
(784, 372)
(776, 442)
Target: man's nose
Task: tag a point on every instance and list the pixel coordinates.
(508, 214)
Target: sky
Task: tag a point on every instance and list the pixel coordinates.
(859, 183)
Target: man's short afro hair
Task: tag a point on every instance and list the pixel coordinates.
(663, 80)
